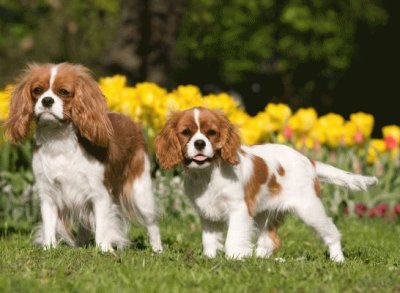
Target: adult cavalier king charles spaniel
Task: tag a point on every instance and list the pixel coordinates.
(90, 165)
(247, 187)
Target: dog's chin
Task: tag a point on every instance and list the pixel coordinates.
(48, 119)
(198, 162)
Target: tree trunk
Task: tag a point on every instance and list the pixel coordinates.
(144, 46)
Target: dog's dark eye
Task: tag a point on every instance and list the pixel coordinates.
(37, 91)
(186, 132)
(63, 92)
(211, 132)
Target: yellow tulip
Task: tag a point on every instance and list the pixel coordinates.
(171, 103)
(376, 147)
(318, 133)
(351, 133)
(188, 96)
(239, 117)
(280, 138)
(333, 126)
(264, 125)
(223, 102)
(304, 142)
(250, 132)
(303, 120)
(112, 88)
(248, 129)
(335, 136)
(5, 102)
(364, 123)
(391, 132)
(149, 93)
(279, 115)
(331, 119)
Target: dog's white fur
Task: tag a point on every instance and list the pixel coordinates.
(217, 190)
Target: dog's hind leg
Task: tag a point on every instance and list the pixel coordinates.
(267, 240)
(312, 212)
(144, 206)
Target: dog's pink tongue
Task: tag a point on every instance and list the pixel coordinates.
(200, 158)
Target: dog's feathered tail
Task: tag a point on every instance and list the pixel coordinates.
(332, 175)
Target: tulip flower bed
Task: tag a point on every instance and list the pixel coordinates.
(331, 138)
(381, 210)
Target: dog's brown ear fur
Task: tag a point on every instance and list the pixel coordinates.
(230, 140)
(89, 112)
(167, 146)
(16, 126)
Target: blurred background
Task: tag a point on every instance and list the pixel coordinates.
(338, 56)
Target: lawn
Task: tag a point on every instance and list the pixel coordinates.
(301, 265)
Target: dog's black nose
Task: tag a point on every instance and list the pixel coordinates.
(199, 144)
(47, 102)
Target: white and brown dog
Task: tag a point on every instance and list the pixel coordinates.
(247, 186)
(89, 164)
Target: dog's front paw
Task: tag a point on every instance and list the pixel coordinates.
(263, 252)
(339, 258)
(335, 252)
(238, 253)
(105, 247)
(49, 244)
(210, 253)
(157, 248)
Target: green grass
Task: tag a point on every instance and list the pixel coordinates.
(301, 265)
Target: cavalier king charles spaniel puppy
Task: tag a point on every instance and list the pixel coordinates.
(247, 188)
(90, 165)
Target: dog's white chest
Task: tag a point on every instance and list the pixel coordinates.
(213, 198)
(212, 205)
(66, 173)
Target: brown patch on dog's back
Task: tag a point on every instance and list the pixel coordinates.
(312, 162)
(317, 187)
(126, 154)
(274, 186)
(258, 178)
(281, 170)
(124, 157)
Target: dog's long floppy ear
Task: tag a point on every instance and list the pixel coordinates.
(89, 111)
(16, 126)
(167, 145)
(229, 141)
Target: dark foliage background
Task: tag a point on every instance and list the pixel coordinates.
(336, 56)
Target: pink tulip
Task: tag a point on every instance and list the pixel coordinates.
(378, 210)
(288, 132)
(391, 142)
(360, 209)
(382, 208)
(396, 209)
(358, 137)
